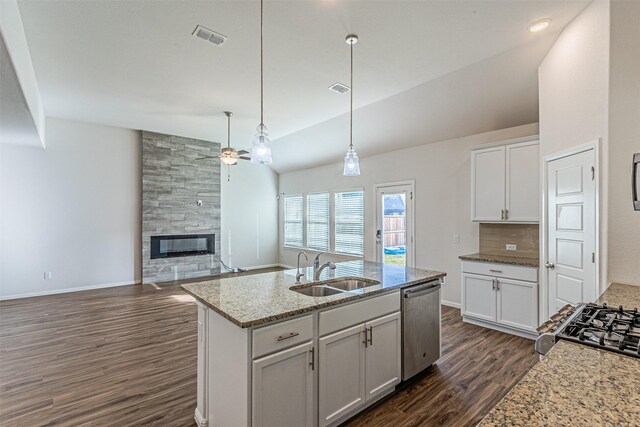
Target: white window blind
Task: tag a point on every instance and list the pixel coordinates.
(293, 217)
(349, 222)
(318, 221)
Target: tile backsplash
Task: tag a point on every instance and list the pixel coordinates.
(495, 237)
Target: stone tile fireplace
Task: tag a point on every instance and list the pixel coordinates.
(180, 208)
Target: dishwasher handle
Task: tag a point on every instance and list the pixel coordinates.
(411, 293)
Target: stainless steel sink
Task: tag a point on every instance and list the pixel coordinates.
(317, 291)
(335, 286)
(350, 285)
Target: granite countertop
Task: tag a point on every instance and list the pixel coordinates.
(575, 384)
(501, 259)
(262, 298)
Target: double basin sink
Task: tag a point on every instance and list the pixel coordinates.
(335, 286)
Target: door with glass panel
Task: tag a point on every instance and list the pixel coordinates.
(394, 224)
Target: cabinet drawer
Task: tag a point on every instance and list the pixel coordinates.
(358, 312)
(528, 274)
(282, 335)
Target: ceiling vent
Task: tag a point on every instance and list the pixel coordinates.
(208, 35)
(339, 87)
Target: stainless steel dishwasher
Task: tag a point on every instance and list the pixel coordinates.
(420, 327)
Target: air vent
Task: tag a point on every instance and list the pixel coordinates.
(339, 87)
(209, 35)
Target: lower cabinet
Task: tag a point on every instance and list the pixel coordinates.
(357, 364)
(283, 388)
(501, 301)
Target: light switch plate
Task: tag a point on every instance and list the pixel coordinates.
(511, 247)
(456, 238)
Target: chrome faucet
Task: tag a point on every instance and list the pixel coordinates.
(317, 268)
(298, 274)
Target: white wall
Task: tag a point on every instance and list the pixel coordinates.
(249, 216)
(624, 140)
(441, 172)
(72, 210)
(574, 97)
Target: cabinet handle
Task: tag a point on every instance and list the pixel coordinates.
(493, 284)
(313, 358)
(286, 337)
(497, 285)
(506, 214)
(495, 271)
(371, 335)
(502, 214)
(366, 341)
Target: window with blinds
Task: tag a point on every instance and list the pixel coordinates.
(318, 221)
(349, 222)
(293, 221)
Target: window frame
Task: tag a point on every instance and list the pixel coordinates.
(284, 221)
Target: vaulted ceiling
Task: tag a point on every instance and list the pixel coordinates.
(424, 70)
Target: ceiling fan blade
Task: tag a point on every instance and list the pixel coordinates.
(244, 158)
(207, 157)
(241, 152)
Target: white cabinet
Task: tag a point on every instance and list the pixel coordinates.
(478, 297)
(505, 303)
(505, 183)
(517, 304)
(342, 373)
(358, 364)
(383, 358)
(283, 388)
(202, 412)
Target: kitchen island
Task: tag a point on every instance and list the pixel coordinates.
(272, 355)
(574, 384)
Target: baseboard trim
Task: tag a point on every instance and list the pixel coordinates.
(450, 304)
(68, 290)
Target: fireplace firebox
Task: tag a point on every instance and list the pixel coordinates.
(182, 245)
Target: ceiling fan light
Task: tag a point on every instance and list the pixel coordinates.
(261, 147)
(228, 160)
(351, 164)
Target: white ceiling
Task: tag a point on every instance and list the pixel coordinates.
(135, 64)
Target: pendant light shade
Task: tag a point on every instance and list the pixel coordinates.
(351, 164)
(261, 147)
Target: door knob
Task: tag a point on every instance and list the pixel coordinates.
(549, 265)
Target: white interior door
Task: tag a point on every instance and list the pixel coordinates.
(571, 231)
(394, 224)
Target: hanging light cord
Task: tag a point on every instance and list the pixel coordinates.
(351, 104)
(261, 67)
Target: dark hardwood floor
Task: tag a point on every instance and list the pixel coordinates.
(127, 356)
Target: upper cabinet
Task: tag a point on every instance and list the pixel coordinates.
(505, 183)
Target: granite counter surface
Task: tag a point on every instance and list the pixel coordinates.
(501, 259)
(576, 384)
(259, 299)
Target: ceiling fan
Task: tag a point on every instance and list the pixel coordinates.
(229, 156)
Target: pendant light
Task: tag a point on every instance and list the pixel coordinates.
(351, 164)
(261, 148)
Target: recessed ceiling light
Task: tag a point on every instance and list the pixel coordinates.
(539, 25)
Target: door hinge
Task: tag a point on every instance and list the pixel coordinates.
(593, 173)
(593, 257)
(411, 195)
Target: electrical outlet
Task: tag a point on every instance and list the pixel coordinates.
(456, 238)
(511, 247)
(47, 275)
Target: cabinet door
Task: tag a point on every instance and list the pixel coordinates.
(478, 297)
(488, 181)
(517, 304)
(341, 373)
(283, 388)
(383, 363)
(523, 182)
